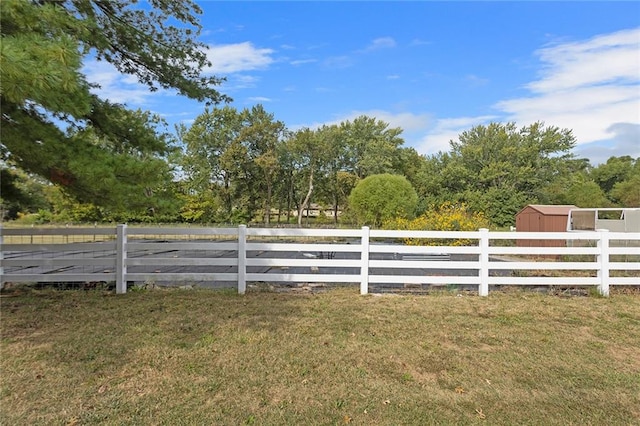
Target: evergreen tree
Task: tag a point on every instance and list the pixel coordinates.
(53, 126)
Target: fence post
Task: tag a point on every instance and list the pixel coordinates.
(121, 259)
(364, 261)
(603, 258)
(242, 259)
(483, 290)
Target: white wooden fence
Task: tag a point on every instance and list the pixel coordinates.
(363, 256)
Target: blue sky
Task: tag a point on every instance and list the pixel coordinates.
(434, 69)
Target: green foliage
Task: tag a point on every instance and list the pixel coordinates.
(63, 209)
(263, 135)
(114, 163)
(611, 184)
(586, 194)
(334, 178)
(212, 159)
(615, 170)
(199, 208)
(627, 193)
(497, 169)
(370, 146)
(41, 58)
(52, 126)
(619, 179)
(250, 164)
(379, 198)
(20, 194)
(496, 203)
(230, 156)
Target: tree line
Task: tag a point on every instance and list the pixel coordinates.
(68, 155)
(241, 166)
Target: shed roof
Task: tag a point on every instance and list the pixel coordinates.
(551, 210)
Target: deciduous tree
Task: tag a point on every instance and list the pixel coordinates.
(262, 135)
(498, 168)
(212, 160)
(615, 170)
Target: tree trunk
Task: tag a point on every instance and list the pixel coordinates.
(267, 207)
(228, 204)
(279, 208)
(306, 199)
(289, 197)
(335, 199)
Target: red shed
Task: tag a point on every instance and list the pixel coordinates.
(541, 218)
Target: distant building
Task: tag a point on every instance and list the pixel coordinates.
(315, 210)
(543, 218)
(613, 219)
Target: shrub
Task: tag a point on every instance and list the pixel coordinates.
(383, 197)
(446, 217)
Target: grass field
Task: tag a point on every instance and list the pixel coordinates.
(204, 357)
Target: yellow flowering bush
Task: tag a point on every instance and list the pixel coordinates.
(447, 217)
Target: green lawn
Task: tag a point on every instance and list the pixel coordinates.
(203, 357)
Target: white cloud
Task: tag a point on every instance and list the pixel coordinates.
(232, 58)
(588, 111)
(174, 114)
(381, 43)
(411, 124)
(420, 131)
(475, 81)
(259, 99)
(603, 59)
(240, 81)
(188, 122)
(338, 62)
(303, 61)
(114, 86)
(586, 86)
(228, 60)
(393, 77)
(626, 141)
(590, 86)
(408, 121)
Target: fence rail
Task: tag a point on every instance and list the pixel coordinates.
(236, 256)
